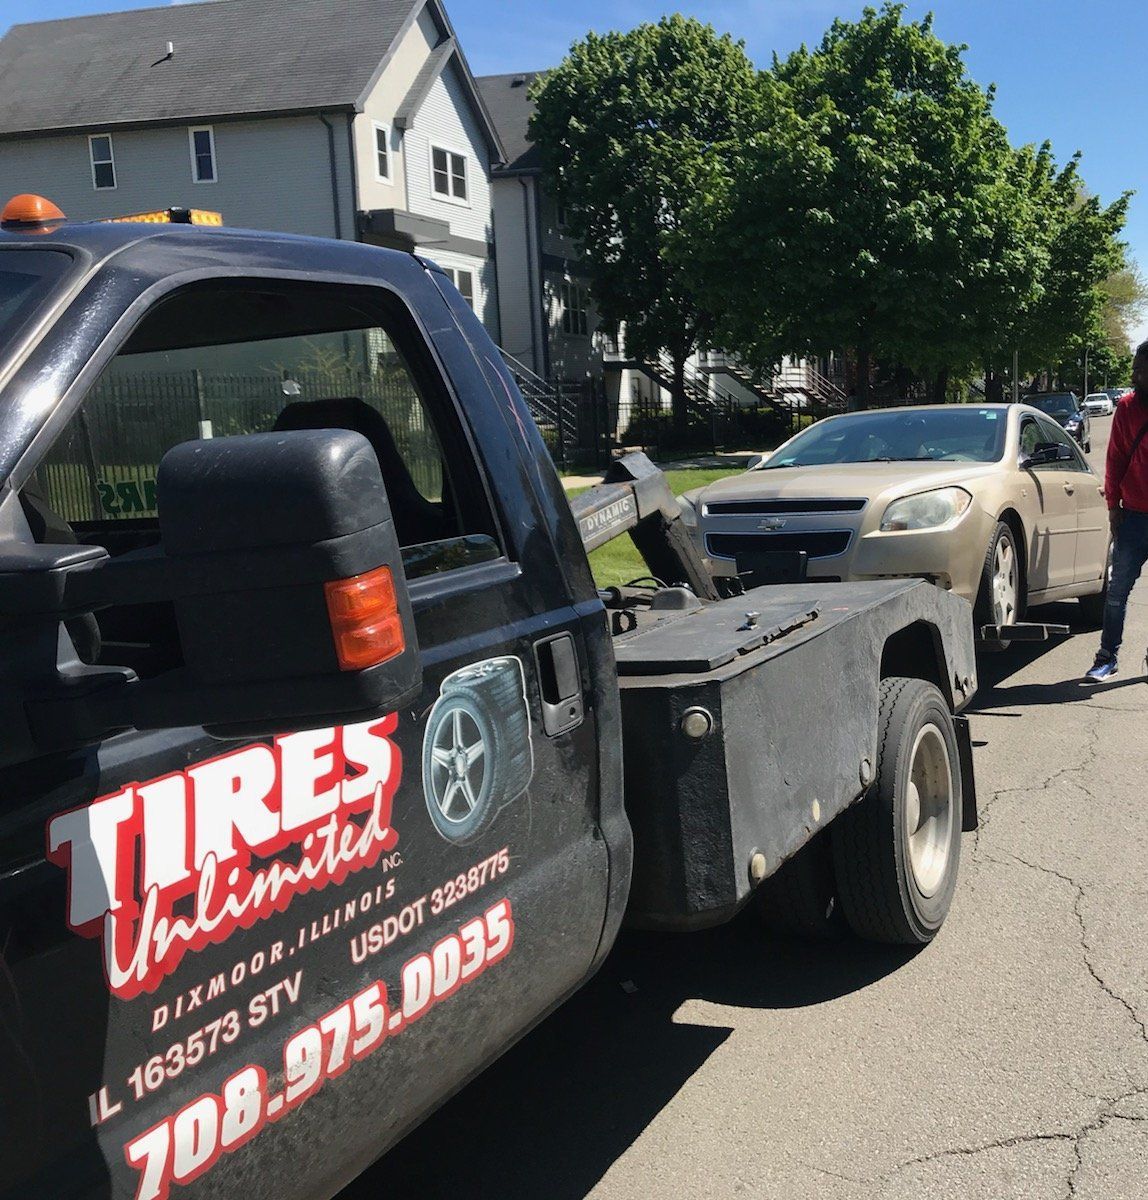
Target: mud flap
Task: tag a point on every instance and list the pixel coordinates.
(969, 819)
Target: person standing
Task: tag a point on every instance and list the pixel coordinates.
(1126, 491)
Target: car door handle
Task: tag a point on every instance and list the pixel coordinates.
(1070, 488)
(560, 684)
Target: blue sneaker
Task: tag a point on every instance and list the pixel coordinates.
(1103, 668)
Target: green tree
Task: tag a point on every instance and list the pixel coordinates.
(873, 208)
(1077, 241)
(627, 126)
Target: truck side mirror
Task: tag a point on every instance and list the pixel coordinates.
(287, 581)
(280, 557)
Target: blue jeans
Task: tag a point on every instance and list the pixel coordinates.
(1129, 555)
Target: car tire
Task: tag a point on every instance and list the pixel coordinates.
(799, 900)
(896, 852)
(1092, 607)
(481, 714)
(993, 606)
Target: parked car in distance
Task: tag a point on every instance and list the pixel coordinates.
(1066, 408)
(1114, 394)
(994, 502)
(1099, 404)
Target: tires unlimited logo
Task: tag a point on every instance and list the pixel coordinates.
(173, 865)
(197, 832)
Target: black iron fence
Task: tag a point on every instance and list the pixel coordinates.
(104, 465)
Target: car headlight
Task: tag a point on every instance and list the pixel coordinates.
(926, 510)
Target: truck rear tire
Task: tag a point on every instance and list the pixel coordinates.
(897, 850)
(800, 899)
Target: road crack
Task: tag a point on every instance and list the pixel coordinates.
(1091, 752)
(1086, 948)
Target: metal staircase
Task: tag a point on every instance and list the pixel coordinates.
(554, 406)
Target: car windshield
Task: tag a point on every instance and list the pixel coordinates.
(899, 435)
(26, 276)
(1055, 406)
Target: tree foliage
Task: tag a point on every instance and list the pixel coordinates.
(626, 127)
(879, 206)
(872, 208)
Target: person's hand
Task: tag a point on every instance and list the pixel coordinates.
(1115, 517)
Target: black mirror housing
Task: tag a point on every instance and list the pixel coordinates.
(254, 528)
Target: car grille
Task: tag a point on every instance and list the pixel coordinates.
(815, 543)
(729, 508)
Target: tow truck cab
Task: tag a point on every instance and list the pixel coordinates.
(308, 726)
(311, 769)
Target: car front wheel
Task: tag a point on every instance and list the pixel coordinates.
(1000, 600)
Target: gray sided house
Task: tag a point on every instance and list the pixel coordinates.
(337, 118)
(548, 321)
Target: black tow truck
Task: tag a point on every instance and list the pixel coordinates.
(325, 769)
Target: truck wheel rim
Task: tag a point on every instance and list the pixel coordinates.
(929, 810)
(1004, 582)
(458, 765)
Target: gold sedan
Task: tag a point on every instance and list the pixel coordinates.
(995, 502)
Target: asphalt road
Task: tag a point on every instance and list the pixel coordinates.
(1008, 1060)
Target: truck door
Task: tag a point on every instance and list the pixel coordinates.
(263, 960)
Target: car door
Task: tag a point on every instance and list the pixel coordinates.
(1052, 555)
(1086, 488)
(209, 993)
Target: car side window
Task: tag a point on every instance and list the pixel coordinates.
(1051, 431)
(1030, 436)
(250, 356)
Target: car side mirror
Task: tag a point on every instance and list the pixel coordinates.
(1045, 453)
(279, 556)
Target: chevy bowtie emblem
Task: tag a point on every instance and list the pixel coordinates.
(772, 524)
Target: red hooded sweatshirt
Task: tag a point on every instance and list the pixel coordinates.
(1127, 479)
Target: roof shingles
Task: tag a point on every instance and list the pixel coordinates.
(231, 57)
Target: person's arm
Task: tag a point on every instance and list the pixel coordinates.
(1116, 463)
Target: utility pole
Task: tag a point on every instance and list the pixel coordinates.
(1085, 372)
(1016, 377)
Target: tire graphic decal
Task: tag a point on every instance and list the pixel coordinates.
(477, 752)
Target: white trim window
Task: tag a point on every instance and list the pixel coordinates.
(574, 309)
(103, 160)
(382, 151)
(201, 143)
(448, 175)
(464, 281)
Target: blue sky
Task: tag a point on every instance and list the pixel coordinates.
(1067, 71)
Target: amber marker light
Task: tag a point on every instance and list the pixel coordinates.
(29, 212)
(365, 619)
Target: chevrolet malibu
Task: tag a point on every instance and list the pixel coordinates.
(994, 502)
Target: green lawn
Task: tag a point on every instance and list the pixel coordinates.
(617, 562)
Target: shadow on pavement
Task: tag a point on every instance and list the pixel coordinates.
(995, 670)
(554, 1114)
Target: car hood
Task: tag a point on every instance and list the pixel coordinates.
(846, 480)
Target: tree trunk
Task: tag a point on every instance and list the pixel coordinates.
(681, 417)
(940, 386)
(994, 387)
(863, 371)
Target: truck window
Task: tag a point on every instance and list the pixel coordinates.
(243, 357)
(26, 277)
